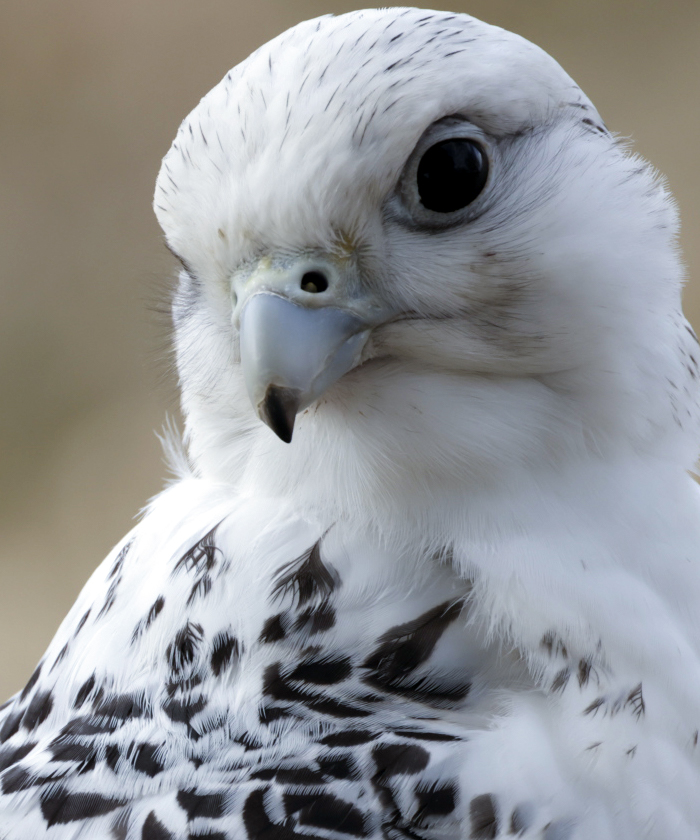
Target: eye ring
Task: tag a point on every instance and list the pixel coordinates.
(451, 174)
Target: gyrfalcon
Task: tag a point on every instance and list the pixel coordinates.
(431, 567)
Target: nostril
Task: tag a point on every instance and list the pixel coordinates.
(314, 282)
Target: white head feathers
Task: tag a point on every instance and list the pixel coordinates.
(548, 326)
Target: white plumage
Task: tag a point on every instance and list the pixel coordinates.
(463, 600)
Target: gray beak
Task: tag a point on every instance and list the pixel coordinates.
(290, 355)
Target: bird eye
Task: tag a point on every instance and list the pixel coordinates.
(451, 174)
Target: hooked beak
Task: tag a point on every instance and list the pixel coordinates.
(296, 343)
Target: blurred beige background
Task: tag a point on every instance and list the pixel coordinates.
(92, 92)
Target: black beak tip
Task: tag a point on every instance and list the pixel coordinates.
(279, 410)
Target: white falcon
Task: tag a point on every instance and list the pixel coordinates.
(433, 569)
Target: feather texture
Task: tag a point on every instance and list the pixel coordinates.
(463, 602)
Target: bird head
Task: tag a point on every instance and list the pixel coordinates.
(413, 252)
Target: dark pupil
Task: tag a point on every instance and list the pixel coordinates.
(451, 175)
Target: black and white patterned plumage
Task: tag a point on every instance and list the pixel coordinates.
(451, 592)
(310, 711)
